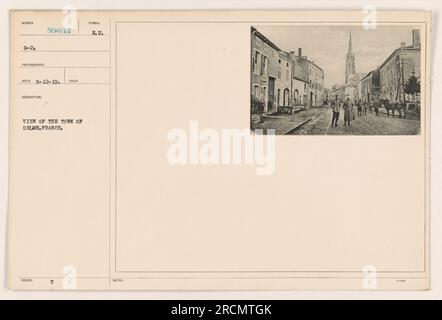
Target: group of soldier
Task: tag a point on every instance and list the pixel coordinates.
(338, 105)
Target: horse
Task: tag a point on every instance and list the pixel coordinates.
(389, 106)
(359, 105)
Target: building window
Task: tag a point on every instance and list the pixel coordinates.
(263, 94)
(256, 92)
(255, 61)
(295, 95)
(263, 65)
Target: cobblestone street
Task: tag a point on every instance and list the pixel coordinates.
(284, 124)
(370, 124)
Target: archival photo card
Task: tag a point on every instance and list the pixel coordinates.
(336, 79)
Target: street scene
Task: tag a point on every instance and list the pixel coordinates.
(336, 80)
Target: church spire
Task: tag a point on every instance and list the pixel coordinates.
(350, 51)
(350, 61)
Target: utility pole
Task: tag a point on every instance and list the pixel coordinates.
(403, 80)
(401, 77)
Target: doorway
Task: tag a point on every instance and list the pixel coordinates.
(271, 100)
(286, 97)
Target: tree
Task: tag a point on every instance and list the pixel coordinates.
(412, 86)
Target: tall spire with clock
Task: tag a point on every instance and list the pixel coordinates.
(350, 62)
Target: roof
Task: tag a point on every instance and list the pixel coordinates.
(285, 55)
(315, 65)
(300, 79)
(264, 38)
(372, 72)
(366, 76)
(398, 50)
(274, 46)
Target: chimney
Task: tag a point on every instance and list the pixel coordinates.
(300, 52)
(292, 55)
(416, 38)
(402, 44)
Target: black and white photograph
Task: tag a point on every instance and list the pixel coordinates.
(336, 80)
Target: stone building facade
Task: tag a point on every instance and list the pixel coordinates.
(403, 63)
(316, 80)
(370, 86)
(283, 84)
(264, 70)
(300, 79)
(282, 79)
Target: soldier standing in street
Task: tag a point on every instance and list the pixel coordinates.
(376, 106)
(348, 106)
(336, 107)
(358, 103)
(365, 105)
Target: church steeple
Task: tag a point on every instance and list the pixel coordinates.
(350, 62)
(349, 46)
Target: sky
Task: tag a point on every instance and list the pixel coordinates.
(327, 46)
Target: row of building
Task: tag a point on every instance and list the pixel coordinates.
(283, 79)
(387, 81)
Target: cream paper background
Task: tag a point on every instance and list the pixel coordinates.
(319, 216)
